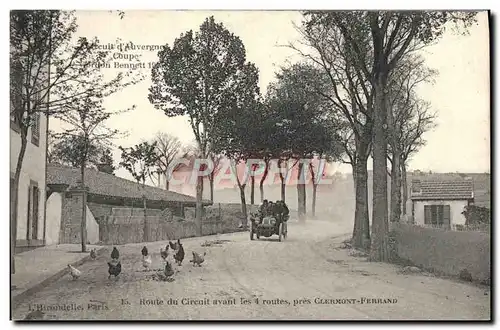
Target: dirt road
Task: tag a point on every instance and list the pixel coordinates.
(306, 277)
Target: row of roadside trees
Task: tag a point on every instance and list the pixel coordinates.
(352, 96)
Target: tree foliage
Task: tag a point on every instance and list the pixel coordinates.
(106, 163)
(199, 76)
(140, 160)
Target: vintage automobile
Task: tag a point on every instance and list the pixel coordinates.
(268, 227)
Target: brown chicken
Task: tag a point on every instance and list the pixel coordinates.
(179, 255)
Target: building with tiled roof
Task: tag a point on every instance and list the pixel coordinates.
(440, 203)
(114, 189)
(107, 197)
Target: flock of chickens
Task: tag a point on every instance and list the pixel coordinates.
(172, 254)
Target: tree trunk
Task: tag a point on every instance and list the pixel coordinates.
(211, 180)
(283, 187)
(252, 190)
(199, 205)
(145, 236)
(83, 224)
(301, 193)
(282, 178)
(261, 184)
(404, 183)
(14, 199)
(167, 183)
(380, 226)
(395, 187)
(243, 204)
(361, 231)
(315, 190)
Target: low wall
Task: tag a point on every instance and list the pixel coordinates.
(130, 229)
(444, 251)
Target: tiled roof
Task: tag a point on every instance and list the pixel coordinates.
(100, 183)
(442, 190)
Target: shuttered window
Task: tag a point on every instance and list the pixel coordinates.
(28, 219)
(34, 221)
(437, 216)
(15, 95)
(35, 129)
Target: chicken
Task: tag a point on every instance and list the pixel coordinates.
(169, 271)
(197, 259)
(179, 255)
(164, 253)
(75, 273)
(93, 254)
(172, 245)
(146, 262)
(115, 268)
(115, 254)
(144, 251)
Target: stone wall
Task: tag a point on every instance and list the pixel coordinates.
(444, 251)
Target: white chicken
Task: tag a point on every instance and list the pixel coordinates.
(198, 259)
(146, 262)
(75, 273)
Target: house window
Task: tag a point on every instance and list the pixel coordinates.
(33, 206)
(437, 215)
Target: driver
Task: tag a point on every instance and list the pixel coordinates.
(285, 212)
(271, 209)
(263, 209)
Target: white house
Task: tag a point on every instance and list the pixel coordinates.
(31, 195)
(440, 203)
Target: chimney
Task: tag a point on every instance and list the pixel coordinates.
(416, 187)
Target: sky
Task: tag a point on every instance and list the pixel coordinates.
(460, 95)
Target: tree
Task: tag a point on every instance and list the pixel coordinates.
(105, 163)
(194, 77)
(167, 150)
(84, 141)
(234, 135)
(45, 60)
(418, 121)
(303, 121)
(140, 161)
(68, 150)
(402, 100)
(51, 144)
(376, 42)
(216, 161)
(349, 97)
